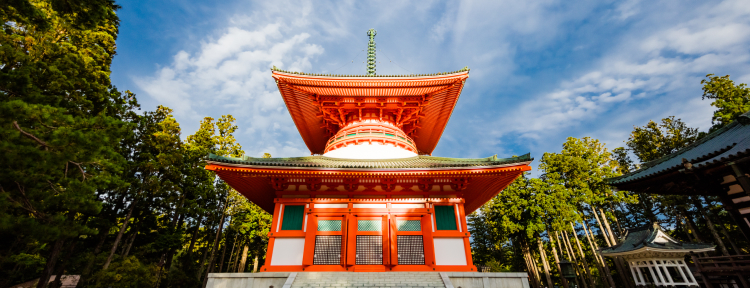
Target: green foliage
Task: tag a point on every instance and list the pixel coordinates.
(729, 99)
(654, 141)
(129, 272)
(78, 161)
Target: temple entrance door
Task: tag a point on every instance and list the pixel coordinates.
(411, 244)
(367, 247)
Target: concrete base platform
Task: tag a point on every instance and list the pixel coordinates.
(368, 280)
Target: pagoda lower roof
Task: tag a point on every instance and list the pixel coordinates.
(420, 162)
(482, 178)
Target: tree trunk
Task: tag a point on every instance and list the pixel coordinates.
(97, 250)
(619, 263)
(557, 260)
(545, 264)
(532, 272)
(232, 265)
(609, 229)
(601, 229)
(255, 263)
(237, 257)
(724, 230)
(603, 269)
(243, 259)
(51, 261)
(729, 238)
(216, 241)
(536, 267)
(119, 235)
(572, 255)
(132, 239)
(203, 261)
(60, 269)
(711, 227)
(620, 232)
(530, 265)
(645, 201)
(683, 226)
(195, 234)
(691, 225)
(585, 264)
(223, 253)
(583, 257)
(611, 242)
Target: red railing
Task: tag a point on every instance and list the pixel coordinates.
(371, 132)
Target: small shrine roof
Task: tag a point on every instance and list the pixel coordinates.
(726, 144)
(652, 238)
(418, 162)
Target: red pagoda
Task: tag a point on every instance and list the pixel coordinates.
(371, 198)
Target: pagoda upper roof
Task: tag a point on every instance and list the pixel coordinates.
(651, 238)
(726, 144)
(319, 102)
(420, 162)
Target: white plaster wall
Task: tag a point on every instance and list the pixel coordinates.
(370, 151)
(288, 251)
(450, 251)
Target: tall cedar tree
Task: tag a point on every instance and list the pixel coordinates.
(730, 100)
(60, 120)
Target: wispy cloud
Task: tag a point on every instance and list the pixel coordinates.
(231, 73)
(655, 70)
(541, 70)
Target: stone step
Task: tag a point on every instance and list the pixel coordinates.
(368, 279)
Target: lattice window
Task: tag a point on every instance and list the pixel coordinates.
(369, 250)
(409, 225)
(410, 250)
(327, 250)
(329, 225)
(369, 225)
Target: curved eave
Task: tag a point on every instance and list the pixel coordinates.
(647, 249)
(297, 90)
(379, 170)
(726, 144)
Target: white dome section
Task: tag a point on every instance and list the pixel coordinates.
(370, 151)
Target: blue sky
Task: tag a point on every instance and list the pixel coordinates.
(541, 71)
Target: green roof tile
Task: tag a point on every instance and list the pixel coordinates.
(728, 143)
(644, 237)
(417, 162)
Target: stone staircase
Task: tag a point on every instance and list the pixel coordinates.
(368, 279)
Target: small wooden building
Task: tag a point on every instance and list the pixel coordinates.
(656, 258)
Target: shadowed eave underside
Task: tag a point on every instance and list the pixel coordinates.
(726, 144)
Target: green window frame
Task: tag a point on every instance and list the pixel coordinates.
(293, 216)
(445, 217)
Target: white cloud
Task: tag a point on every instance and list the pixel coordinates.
(230, 74)
(656, 70)
(655, 55)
